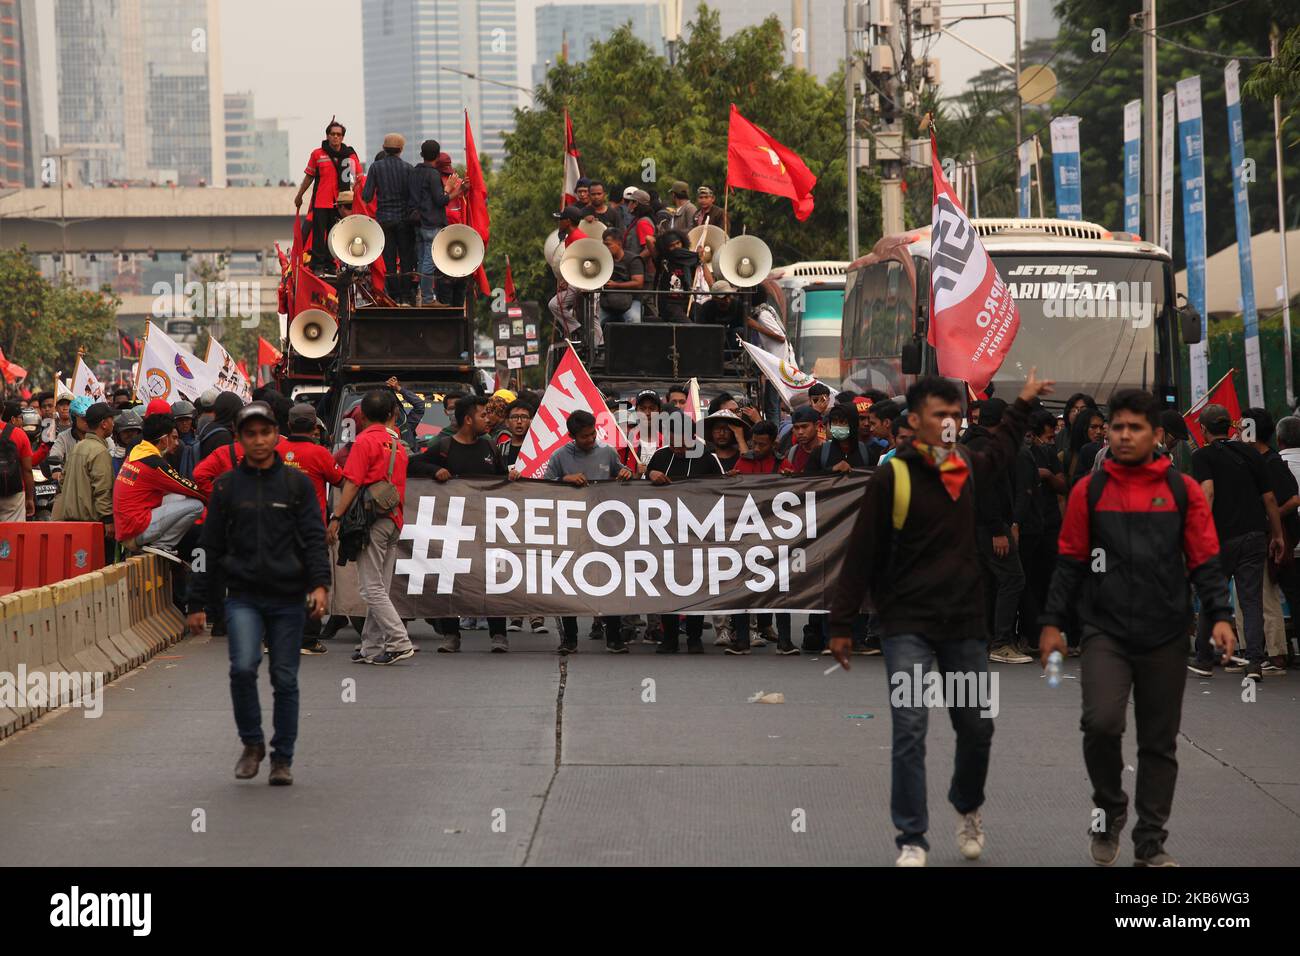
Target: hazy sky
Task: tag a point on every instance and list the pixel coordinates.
(302, 61)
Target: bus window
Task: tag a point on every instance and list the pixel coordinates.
(882, 336)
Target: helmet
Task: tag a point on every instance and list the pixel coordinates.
(79, 405)
(127, 420)
(182, 409)
(31, 419)
(208, 398)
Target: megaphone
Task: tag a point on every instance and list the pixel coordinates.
(593, 228)
(587, 265)
(457, 251)
(745, 261)
(553, 250)
(713, 238)
(356, 241)
(313, 333)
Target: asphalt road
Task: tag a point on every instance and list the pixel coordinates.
(530, 759)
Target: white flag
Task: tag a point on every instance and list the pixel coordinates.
(784, 376)
(85, 383)
(169, 372)
(61, 388)
(229, 377)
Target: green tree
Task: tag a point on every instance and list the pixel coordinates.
(1280, 77)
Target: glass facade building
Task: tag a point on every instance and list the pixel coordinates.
(571, 30)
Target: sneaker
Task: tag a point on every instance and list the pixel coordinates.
(1236, 666)
(1104, 847)
(911, 855)
(725, 634)
(694, 645)
(868, 651)
(500, 644)
(404, 655)
(861, 650)
(388, 657)
(786, 649)
(219, 628)
(359, 658)
(1274, 667)
(1006, 654)
(516, 624)
(314, 647)
(617, 647)
(970, 835)
(1158, 858)
(249, 761)
(597, 632)
(538, 625)
(167, 553)
(756, 640)
(450, 645)
(1255, 672)
(468, 624)
(566, 649)
(281, 775)
(768, 633)
(736, 650)
(667, 647)
(652, 636)
(1201, 670)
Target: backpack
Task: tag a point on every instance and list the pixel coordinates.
(903, 484)
(189, 458)
(11, 466)
(825, 457)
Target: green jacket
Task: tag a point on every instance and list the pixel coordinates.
(87, 483)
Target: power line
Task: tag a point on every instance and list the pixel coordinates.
(1201, 16)
(1221, 56)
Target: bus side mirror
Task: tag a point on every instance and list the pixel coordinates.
(910, 359)
(1190, 320)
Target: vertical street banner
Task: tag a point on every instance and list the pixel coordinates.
(1065, 165)
(739, 544)
(1026, 155)
(1241, 204)
(1133, 167)
(974, 319)
(1191, 161)
(1166, 241)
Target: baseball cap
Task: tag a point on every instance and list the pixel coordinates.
(704, 191)
(127, 420)
(256, 410)
(679, 188)
(862, 404)
(640, 195)
(647, 394)
(97, 413)
(573, 213)
(504, 393)
(302, 416)
(157, 406)
(722, 285)
(1174, 425)
(805, 413)
(182, 409)
(208, 397)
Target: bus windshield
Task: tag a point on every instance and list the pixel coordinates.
(1089, 322)
(818, 348)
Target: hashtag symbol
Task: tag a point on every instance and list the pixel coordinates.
(425, 531)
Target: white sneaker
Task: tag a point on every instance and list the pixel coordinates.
(723, 638)
(515, 625)
(970, 835)
(911, 855)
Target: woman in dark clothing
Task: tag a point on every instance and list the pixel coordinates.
(1085, 442)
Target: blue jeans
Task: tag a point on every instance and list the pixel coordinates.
(425, 258)
(633, 314)
(907, 802)
(280, 622)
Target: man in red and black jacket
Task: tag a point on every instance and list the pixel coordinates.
(1128, 531)
(153, 505)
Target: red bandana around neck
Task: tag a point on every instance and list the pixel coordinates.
(952, 470)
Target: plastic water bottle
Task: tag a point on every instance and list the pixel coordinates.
(1054, 669)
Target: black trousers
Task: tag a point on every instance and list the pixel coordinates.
(1243, 559)
(1156, 678)
(1038, 555)
(569, 629)
(399, 261)
(449, 291)
(1004, 580)
(450, 626)
(673, 628)
(322, 221)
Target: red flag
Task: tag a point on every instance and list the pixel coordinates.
(975, 319)
(571, 388)
(360, 207)
(476, 209)
(572, 165)
(243, 369)
(267, 354)
(756, 161)
(284, 260)
(12, 371)
(1224, 393)
(510, 283)
(312, 292)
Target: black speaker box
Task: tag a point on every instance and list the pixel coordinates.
(647, 349)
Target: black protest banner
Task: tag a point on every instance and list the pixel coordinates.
(479, 546)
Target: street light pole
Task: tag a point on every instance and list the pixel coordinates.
(1150, 173)
(850, 130)
(1281, 230)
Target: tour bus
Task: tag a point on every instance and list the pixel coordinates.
(1097, 311)
(812, 305)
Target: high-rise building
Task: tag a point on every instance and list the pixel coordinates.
(241, 141)
(570, 30)
(140, 90)
(823, 26)
(22, 121)
(417, 54)
(272, 152)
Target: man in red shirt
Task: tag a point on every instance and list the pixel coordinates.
(219, 462)
(19, 499)
(806, 441)
(332, 168)
(153, 505)
(377, 455)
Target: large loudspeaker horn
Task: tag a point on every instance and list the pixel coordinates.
(457, 251)
(593, 229)
(714, 239)
(553, 250)
(356, 241)
(587, 265)
(745, 261)
(313, 333)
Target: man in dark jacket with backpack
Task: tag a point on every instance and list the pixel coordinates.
(221, 429)
(264, 530)
(913, 545)
(1133, 534)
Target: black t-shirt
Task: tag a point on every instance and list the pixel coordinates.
(479, 458)
(834, 454)
(1239, 477)
(1044, 456)
(509, 453)
(625, 270)
(612, 217)
(1284, 487)
(728, 462)
(682, 466)
(712, 313)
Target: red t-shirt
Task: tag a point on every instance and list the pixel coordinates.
(218, 463)
(767, 466)
(315, 461)
(20, 440)
(368, 463)
(573, 236)
(321, 166)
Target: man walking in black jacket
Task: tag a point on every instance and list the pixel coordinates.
(264, 530)
(1134, 532)
(914, 546)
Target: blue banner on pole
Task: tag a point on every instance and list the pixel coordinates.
(1026, 163)
(1192, 168)
(1249, 318)
(1065, 164)
(1132, 167)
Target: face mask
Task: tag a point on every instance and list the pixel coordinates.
(840, 432)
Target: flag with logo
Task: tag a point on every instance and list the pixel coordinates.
(168, 372)
(313, 292)
(790, 383)
(570, 389)
(229, 376)
(1224, 393)
(975, 320)
(85, 383)
(572, 165)
(757, 161)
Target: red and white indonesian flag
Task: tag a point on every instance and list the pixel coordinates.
(230, 378)
(572, 166)
(975, 320)
(570, 389)
(168, 372)
(785, 376)
(85, 383)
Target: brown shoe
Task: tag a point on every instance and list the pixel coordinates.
(281, 775)
(249, 761)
